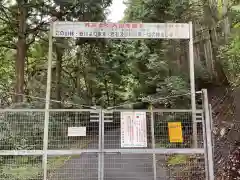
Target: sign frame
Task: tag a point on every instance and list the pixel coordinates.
(121, 30)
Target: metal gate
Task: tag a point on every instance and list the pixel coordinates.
(85, 144)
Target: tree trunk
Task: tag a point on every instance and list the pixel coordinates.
(107, 92)
(226, 24)
(78, 73)
(90, 81)
(114, 95)
(59, 54)
(21, 54)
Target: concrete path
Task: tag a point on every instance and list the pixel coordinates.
(116, 166)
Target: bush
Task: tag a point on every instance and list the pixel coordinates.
(230, 55)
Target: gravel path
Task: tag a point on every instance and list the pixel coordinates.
(116, 166)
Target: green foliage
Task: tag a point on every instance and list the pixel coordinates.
(176, 87)
(177, 160)
(6, 74)
(21, 130)
(230, 54)
(21, 172)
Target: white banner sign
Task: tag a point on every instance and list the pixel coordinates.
(133, 129)
(121, 30)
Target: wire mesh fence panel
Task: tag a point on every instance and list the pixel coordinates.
(179, 126)
(21, 168)
(75, 167)
(132, 164)
(122, 166)
(21, 130)
(128, 166)
(72, 130)
(180, 167)
(163, 122)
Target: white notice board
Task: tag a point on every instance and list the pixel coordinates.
(77, 131)
(121, 30)
(133, 129)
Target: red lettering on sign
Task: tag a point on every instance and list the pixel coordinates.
(93, 25)
(87, 24)
(101, 25)
(127, 26)
(114, 25)
(106, 25)
(121, 25)
(134, 25)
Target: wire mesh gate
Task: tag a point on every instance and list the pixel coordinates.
(85, 144)
(160, 159)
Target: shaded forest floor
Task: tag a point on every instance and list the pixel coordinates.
(225, 107)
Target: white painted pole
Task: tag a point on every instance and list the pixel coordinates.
(47, 103)
(192, 84)
(209, 140)
(153, 144)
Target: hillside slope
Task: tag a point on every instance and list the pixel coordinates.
(225, 107)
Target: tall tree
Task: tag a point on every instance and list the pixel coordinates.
(24, 21)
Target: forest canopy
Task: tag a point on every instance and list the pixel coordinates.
(111, 72)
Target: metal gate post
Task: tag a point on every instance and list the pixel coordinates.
(153, 145)
(211, 120)
(208, 137)
(100, 146)
(47, 103)
(205, 142)
(192, 85)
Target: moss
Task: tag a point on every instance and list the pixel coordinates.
(21, 172)
(177, 160)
